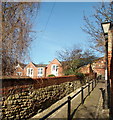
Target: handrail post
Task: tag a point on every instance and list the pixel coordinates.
(92, 85)
(82, 95)
(88, 88)
(69, 108)
(95, 82)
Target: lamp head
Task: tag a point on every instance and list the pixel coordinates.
(105, 27)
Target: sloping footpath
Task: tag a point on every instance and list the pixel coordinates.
(93, 105)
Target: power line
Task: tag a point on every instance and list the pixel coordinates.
(48, 18)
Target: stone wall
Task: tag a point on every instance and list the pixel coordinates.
(24, 97)
(23, 103)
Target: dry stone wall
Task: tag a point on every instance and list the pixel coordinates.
(23, 103)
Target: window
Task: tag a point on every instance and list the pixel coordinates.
(102, 62)
(54, 70)
(40, 72)
(54, 66)
(30, 72)
(19, 73)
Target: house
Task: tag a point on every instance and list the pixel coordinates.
(19, 69)
(98, 66)
(39, 70)
(86, 69)
(34, 70)
(55, 68)
(31, 70)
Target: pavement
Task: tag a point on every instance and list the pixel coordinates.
(93, 105)
(91, 109)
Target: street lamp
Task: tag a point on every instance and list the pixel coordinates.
(106, 27)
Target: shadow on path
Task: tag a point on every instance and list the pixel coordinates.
(89, 109)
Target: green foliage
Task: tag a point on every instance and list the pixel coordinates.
(69, 72)
(51, 75)
(80, 75)
(73, 65)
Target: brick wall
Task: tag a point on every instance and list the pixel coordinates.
(110, 67)
(12, 83)
(86, 69)
(44, 82)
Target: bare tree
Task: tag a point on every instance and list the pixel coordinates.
(74, 58)
(16, 29)
(103, 12)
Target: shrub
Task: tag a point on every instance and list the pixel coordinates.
(81, 76)
(51, 75)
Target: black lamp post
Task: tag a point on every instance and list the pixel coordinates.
(106, 27)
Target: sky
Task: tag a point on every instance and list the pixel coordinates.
(58, 26)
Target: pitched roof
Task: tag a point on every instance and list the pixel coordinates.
(39, 65)
(56, 59)
(22, 65)
(96, 60)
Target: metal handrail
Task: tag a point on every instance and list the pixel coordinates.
(69, 99)
(54, 110)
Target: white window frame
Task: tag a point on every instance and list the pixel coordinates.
(40, 72)
(55, 71)
(30, 72)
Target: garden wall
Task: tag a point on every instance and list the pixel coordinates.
(23, 98)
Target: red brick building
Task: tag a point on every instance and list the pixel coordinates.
(98, 66)
(39, 70)
(86, 69)
(55, 68)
